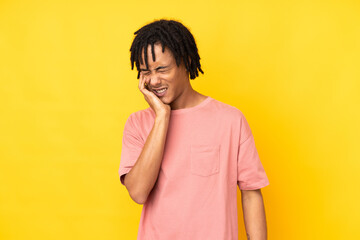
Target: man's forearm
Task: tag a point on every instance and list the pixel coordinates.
(142, 177)
(254, 214)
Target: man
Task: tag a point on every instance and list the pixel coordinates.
(185, 155)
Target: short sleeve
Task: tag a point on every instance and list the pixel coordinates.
(251, 173)
(132, 145)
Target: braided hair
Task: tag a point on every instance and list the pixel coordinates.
(171, 34)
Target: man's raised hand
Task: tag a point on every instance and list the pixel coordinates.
(155, 103)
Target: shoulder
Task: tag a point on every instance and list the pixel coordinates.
(227, 110)
(234, 116)
(142, 115)
(141, 120)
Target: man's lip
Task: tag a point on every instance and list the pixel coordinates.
(158, 88)
(160, 94)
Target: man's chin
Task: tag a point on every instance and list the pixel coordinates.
(164, 100)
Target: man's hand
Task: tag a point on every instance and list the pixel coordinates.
(155, 103)
(254, 214)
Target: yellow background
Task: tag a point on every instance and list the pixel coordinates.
(292, 67)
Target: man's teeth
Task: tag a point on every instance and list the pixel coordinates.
(161, 90)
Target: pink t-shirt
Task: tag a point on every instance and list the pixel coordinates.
(209, 151)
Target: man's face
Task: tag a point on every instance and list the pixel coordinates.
(164, 74)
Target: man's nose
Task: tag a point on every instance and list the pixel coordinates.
(154, 80)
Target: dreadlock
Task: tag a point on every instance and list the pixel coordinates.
(170, 34)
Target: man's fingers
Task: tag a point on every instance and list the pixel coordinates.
(147, 80)
(141, 82)
(147, 83)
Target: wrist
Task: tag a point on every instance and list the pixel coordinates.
(165, 115)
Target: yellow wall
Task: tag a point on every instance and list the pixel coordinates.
(66, 89)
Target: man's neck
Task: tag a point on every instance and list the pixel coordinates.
(188, 100)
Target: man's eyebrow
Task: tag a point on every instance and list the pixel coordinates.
(158, 68)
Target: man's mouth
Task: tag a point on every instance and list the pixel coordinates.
(160, 92)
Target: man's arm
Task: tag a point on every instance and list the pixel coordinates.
(254, 214)
(140, 180)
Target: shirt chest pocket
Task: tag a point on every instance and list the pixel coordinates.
(204, 159)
